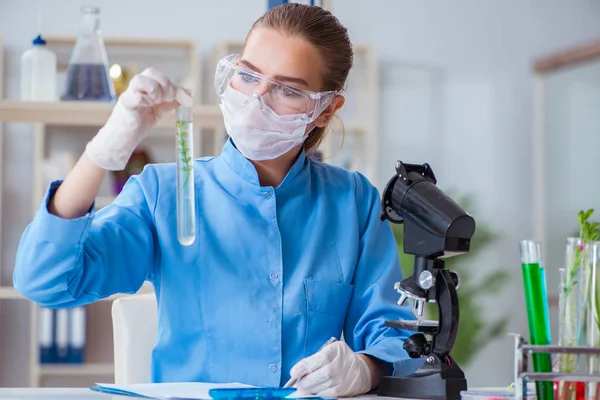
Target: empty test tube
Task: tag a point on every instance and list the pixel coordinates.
(186, 205)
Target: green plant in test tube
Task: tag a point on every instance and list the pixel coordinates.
(576, 297)
(593, 319)
(536, 304)
(184, 178)
(590, 308)
(184, 152)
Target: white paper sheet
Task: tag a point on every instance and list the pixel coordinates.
(181, 390)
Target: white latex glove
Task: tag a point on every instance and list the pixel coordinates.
(149, 96)
(334, 371)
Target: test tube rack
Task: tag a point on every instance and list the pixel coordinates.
(522, 350)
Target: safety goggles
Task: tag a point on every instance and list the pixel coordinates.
(283, 99)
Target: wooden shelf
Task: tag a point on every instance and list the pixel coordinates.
(127, 42)
(103, 201)
(77, 369)
(8, 292)
(80, 113)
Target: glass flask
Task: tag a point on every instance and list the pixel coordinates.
(88, 77)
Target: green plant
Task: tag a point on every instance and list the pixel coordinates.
(588, 232)
(578, 298)
(183, 150)
(474, 332)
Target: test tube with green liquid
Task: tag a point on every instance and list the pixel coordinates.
(545, 291)
(536, 302)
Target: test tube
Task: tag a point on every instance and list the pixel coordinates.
(544, 286)
(593, 320)
(561, 307)
(533, 283)
(186, 205)
(572, 308)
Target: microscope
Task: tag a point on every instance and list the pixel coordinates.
(435, 227)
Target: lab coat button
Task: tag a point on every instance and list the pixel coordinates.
(273, 368)
(274, 276)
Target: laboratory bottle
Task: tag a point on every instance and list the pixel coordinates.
(88, 77)
(38, 72)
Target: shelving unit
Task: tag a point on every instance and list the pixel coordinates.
(8, 293)
(41, 115)
(74, 113)
(193, 71)
(1, 146)
(62, 114)
(3, 293)
(103, 201)
(91, 114)
(92, 369)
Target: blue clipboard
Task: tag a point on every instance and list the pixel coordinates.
(263, 393)
(266, 393)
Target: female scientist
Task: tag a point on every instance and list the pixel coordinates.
(289, 251)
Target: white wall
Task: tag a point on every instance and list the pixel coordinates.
(571, 124)
(455, 93)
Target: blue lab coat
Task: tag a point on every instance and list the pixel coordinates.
(273, 272)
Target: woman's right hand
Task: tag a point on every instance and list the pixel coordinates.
(149, 96)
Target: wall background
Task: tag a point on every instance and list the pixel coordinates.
(456, 93)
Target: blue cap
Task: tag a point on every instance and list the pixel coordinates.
(39, 41)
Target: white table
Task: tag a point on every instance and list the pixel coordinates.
(55, 394)
(87, 394)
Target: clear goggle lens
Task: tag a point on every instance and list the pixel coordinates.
(281, 98)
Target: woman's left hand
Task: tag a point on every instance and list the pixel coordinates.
(335, 371)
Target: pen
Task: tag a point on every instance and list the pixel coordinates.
(293, 381)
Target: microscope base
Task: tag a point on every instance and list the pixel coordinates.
(430, 386)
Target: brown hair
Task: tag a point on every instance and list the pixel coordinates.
(324, 31)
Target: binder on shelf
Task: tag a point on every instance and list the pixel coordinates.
(76, 334)
(62, 336)
(46, 335)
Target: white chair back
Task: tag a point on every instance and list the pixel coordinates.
(135, 325)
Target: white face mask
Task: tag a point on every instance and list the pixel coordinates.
(257, 131)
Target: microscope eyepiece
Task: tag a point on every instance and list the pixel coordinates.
(434, 225)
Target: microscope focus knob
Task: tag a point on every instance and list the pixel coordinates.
(416, 345)
(426, 280)
(455, 279)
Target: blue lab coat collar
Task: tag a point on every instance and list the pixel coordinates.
(242, 167)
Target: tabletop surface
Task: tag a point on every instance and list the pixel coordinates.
(87, 394)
